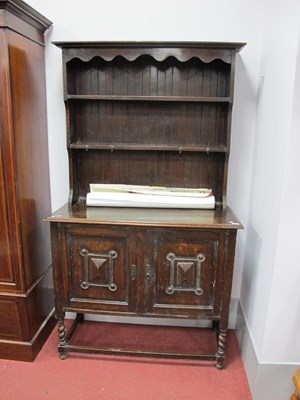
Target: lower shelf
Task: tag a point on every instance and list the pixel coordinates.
(142, 341)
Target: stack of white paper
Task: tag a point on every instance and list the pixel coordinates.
(107, 195)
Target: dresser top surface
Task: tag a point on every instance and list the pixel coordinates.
(220, 218)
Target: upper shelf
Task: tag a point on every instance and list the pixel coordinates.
(147, 147)
(193, 99)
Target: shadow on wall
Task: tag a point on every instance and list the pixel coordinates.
(250, 270)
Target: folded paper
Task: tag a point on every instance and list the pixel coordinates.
(118, 195)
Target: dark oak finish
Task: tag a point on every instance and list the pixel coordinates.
(152, 114)
(26, 297)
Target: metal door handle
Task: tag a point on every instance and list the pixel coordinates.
(149, 274)
(133, 272)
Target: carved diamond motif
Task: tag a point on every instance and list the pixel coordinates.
(98, 262)
(185, 265)
(95, 270)
(185, 274)
(98, 269)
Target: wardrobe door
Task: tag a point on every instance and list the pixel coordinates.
(10, 274)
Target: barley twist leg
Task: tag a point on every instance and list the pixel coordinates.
(62, 338)
(222, 334)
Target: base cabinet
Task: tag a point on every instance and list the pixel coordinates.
(148, 272)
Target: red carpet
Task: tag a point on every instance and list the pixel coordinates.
(145, 337)
(92, 377)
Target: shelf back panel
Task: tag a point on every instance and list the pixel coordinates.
(169, 169)
(147, 77)
(169, 124)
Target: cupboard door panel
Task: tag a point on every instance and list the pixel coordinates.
(186, 273)
(6, 252)
(10, 266)
(99, 270)
(29, 121)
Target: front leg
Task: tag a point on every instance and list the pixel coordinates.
(222, 335)
(62, 333)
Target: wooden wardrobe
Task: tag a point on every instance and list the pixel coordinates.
(26, 294)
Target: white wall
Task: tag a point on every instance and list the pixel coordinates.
(264, 163)
(283, 315)
(270, 263)
(196, 20)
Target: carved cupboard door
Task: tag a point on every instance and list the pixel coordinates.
(184, 275)
(101, 272)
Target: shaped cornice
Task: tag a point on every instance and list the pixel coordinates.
(159, 51)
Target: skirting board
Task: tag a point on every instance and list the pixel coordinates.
(272, 381)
